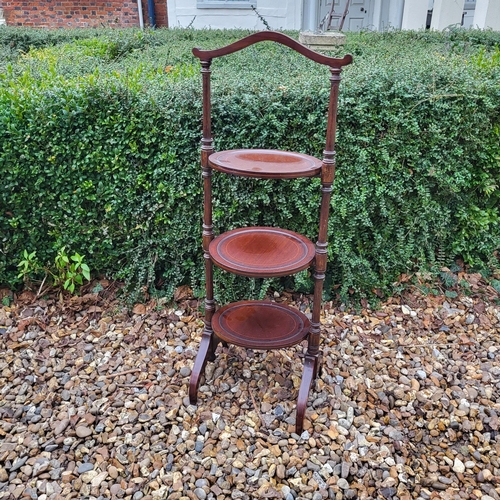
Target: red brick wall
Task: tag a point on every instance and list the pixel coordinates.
(79, 14)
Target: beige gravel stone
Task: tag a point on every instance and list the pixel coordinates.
(405, 403)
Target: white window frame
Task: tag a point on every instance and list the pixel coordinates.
(226, 4)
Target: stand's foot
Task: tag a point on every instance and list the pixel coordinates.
(206, 352)
(310, 372)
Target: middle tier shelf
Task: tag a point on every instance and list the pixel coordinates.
(262, 252)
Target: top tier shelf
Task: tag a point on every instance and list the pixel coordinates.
(265, 163)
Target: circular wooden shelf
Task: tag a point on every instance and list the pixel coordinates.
(262, 252)
(258, 324)
(265, 163)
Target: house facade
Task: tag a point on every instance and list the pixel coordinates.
(253, 14)
(308, 14)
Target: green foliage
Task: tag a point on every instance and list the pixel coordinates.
(67, 272)
(28, 266)
(70, 271)
(99, 150)
(487, 60)
(448, 278)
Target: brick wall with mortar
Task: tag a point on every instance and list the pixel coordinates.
(79, 14)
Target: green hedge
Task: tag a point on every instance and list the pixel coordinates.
(99, 151)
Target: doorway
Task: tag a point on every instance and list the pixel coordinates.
(358, 17)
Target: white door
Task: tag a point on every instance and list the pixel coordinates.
(358, 16)
(468, 17)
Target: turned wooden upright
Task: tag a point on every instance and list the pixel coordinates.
(263, 252)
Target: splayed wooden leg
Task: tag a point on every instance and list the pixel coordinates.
(205, 352)
(310, 370)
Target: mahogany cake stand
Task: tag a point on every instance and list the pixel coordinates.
(264, 252)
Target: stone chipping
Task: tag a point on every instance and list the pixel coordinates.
(93, 404)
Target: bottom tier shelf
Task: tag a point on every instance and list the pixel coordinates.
(259, 324)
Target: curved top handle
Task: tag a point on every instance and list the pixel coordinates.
(273, 36)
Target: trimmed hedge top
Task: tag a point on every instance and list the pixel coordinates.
(99, 151)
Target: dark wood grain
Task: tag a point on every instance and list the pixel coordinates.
(265, 163)
(265, 252)
(272, 36)
(262, 252)
(260, 325)
(199, 366)
(308, 375)
(208, 228)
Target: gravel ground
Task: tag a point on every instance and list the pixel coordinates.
(93, 404)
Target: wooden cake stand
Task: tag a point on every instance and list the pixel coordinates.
(264, 252)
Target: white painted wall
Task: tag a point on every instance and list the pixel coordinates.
(414, 15)
(296, 14)
(487, 14)
(446, 13)
(396, 13)
(285, 14)
(377, 14)
(310, 15)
